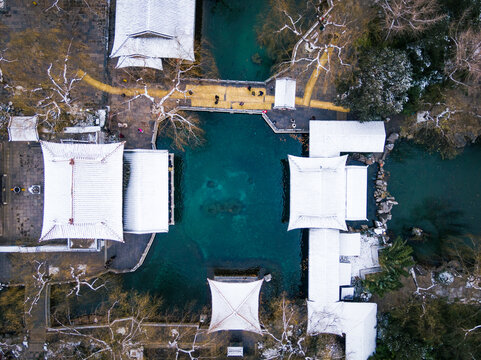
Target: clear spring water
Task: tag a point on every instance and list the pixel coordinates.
(440, 196)
(230, 191)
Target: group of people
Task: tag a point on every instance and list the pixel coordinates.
(217, 98)
(249, 88)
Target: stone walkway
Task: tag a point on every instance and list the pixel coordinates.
(36, 324)
(22, 164)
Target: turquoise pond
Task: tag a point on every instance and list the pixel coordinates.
(230, 191)
(440, 196)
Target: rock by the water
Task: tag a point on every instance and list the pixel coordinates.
(392, 138)
(416, 231)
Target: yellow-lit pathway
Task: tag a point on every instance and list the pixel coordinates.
(232, 95)
(240, 97)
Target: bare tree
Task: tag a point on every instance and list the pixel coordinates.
(409, 16)
(285, 334)
(182, 128)
(41, 279)
(119, 330)
(465, 67)
(3, 59)
(78, 275)
(328, 44)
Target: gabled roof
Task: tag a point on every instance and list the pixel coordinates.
(285, 95)
(153, 29)
(329, 138)
(23, 128)
(83, 191)
(324, 274)
(356, 193)
(235, 305)
(146, 202)
(318, 192)
(356, 320)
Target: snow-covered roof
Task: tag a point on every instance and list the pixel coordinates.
(139, 61)
(285, 95)
(318, 192)
(153, 29)
(83, 191)
(350, 244)
(356, 320)
(356, 193)
(23, 128)
(323, 277)
(146, 202)
(329, 138)
(235, 305)
(344, 274)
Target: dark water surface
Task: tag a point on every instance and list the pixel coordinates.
(440, 196)
(230, 194)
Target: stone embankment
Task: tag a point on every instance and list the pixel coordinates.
(384, 200)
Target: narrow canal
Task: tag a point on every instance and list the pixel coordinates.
(230, 193)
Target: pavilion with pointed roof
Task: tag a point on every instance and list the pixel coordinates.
(235, 305)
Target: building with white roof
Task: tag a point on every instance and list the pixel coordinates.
(285, 94)
(235, 305)
(147, 31)
(330, 138)
(82, 191)
(146, 201)
(324, 194)
(357, 321)
(23, 128)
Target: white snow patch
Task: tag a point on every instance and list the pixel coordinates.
(53, 270)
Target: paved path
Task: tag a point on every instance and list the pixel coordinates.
(233, 95)
(36, 324)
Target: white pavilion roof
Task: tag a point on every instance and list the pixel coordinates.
(83, 191)
(285, 94)
(146, 202)
(356, 193)
(235, 305)
(23, 128)
(153, 29)
(329, 138)
(323, 277)
(318, 192)
(356, 320)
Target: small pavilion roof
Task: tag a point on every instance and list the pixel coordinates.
(356, 193)
(235, 305)
(83, 191)
(23, 128)
(285, 95)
